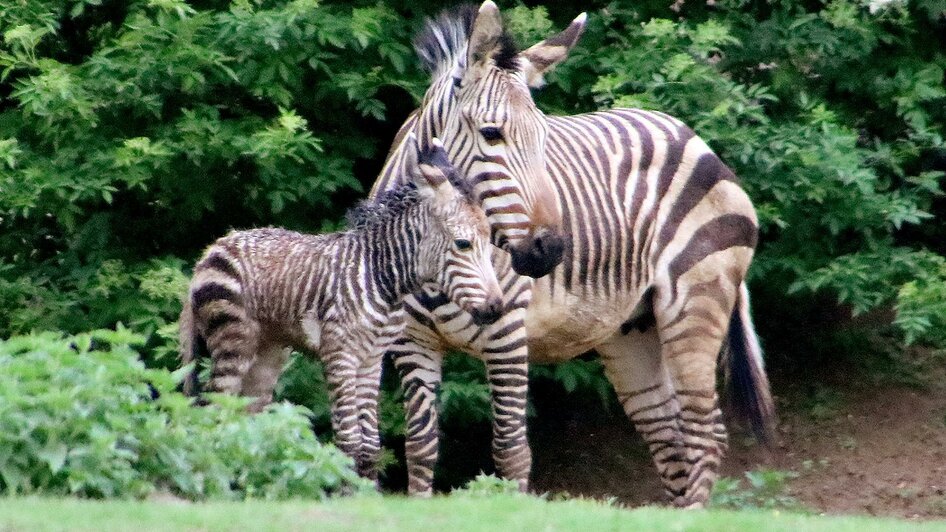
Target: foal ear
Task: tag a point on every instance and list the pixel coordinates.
(435, 156)
(544, 56)
(434, 169)
(485, 37)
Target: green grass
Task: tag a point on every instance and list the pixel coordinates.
(455, 514)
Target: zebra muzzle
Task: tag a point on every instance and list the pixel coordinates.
(538, 254)
(488, 313)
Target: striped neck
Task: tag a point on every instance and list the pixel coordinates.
(390, 252)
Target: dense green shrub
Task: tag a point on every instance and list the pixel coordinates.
(136, 130)
(77, 417)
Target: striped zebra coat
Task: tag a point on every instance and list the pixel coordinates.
(338, 296)
(658, 239)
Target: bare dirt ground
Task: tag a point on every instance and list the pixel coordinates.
(875, 451)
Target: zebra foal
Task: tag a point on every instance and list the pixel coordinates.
(340, 295)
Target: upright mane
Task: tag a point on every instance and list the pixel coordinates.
(442, 44)
(390, 203)
(384, 207)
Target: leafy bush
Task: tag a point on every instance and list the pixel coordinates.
(77, 417)
(580, 377)
(144, 129)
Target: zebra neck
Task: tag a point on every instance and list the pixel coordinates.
(391, 255)
(432, 120)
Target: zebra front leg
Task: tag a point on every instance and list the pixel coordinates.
(507, 371)
(418, 365)
(369, 382)
(341, 372)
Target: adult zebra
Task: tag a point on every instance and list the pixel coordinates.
(657, 239)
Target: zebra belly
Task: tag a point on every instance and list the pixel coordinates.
(562, 325)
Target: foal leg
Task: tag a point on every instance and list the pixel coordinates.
(260, 379)
(341, 374)
(369, 382)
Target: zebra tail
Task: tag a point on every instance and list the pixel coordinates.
(192, 347)
(746, 381)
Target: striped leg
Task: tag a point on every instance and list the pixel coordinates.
(260, 379)
(643, 385)
(691, 335)
(233, 348)
(369, 380)
(340, 373)
(418, 357)
(506, 355)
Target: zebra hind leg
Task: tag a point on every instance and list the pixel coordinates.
(232, 340)
(690, 341)
(260, 379)
(632, 362)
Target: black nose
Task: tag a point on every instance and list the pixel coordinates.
(538, 255)
(488, 313)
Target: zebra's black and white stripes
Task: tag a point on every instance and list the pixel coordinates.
(656, 235)
(338, 296)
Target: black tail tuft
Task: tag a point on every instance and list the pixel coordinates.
(747, 385)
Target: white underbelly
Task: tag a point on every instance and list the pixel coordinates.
(563, 325)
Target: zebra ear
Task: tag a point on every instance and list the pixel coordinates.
(486, 35)
(544, 56)
(434, 168)
(435, 155)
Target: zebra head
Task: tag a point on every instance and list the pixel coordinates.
(456, 250)
(479, 101)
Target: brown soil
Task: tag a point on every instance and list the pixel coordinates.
(876, 451)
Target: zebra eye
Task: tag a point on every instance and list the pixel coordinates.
(491, 133)
(462, 244)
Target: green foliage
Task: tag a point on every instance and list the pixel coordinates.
(580, 377)
(763, 488)
(303, 383)
(464, 394)
(77, 417)
(137, 130)
(822, 404)
(489, 485)
(921, 304)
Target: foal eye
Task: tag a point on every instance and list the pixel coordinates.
(491, 133)
(462, 244)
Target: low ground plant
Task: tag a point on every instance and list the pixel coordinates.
(82, 415)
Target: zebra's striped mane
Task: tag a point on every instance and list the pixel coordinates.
(384, 207)
(442, 44)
